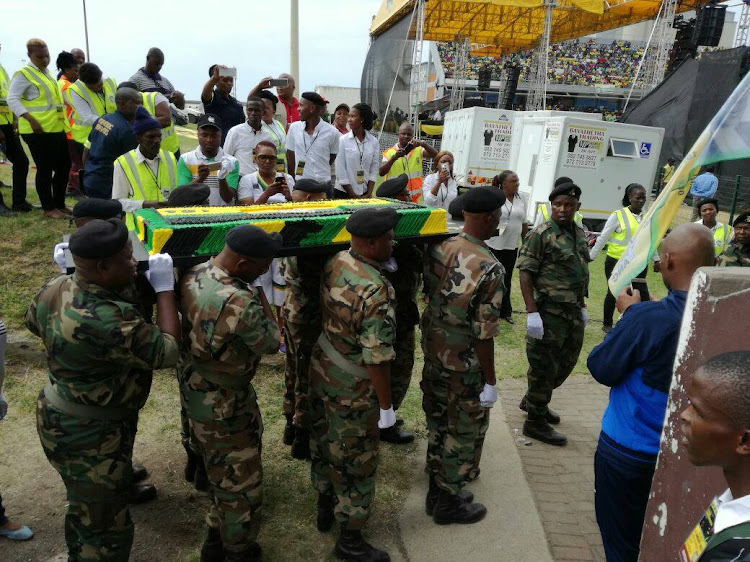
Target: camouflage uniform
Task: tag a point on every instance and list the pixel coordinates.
(226, 331)
(464, 283)
(736, 256)
(557, 259)
(101, 353)
(405, 281)
(302, 326)
(359, 322)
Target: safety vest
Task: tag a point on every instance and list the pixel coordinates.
(722, 233)
(143, 185)
(64, 84)
(169, 139)
(6, 115)
(411, 165)
(619, 240)
(48, 108)
(546, 210)
(96, 103)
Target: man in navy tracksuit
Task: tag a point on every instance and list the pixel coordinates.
(635, 360)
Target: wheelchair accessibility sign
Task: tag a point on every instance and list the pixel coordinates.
(645, 149)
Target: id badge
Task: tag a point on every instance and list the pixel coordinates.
(360, 176)
(695, 545)
(300, 167)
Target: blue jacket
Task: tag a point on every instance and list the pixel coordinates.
(110, 137)
(636, 360)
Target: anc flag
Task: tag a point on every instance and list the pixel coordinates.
(727, 137)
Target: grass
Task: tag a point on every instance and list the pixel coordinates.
(288, 530)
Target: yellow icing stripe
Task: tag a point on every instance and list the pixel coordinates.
(140, 228)
(342, 236)
(436, 223)
(270, 226)
(159, 238)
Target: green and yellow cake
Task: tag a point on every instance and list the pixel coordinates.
(200, 231)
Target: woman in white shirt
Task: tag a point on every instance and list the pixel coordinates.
(512, 228)
(359, 156)
(440, 188)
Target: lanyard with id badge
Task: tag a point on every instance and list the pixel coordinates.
(360, 170)
(301, 164)
(695, 545)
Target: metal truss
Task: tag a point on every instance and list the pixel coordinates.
(461, 67)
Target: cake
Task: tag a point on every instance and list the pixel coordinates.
(200, 231)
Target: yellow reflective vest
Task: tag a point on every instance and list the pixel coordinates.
(99, 105)
(619, 240)
(546, 210)
(144, 185)
(722, 234)
(6, 115)
(48, 108)
(169, 139)
(411, 165)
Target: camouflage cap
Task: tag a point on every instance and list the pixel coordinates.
(483, 200)
(311, 186)
(569, 189)
(393, 186)
(97, 209)
(99, 239)
(189, 195)
(743, 218)
(372, 222)
(253, 242)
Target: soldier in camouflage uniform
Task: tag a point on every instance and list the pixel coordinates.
(350, 395)
(404, 271)
(554, 282)
(227, 326)
(302, 326)
(101, 352)
(464, 286)
(737, 253)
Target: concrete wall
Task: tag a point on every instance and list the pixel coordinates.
(338, 94)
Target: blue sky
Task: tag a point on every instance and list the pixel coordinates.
(251, 35)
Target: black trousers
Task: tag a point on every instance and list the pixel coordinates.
(16, 154)
(610, 300)
(621, 487)
(52, 159)
(508, 259)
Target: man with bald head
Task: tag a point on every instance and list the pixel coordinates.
(79, 55)
(635, 360)
(149, 79)
(405, 157)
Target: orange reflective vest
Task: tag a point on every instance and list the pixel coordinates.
(411, 165)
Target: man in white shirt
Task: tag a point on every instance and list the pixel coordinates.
(716, 427)
(242, 139)
(311, 143)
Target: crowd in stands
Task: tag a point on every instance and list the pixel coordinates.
(577, 62)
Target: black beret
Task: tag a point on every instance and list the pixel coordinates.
(98, 209)
(311, 186)
(569, 189)
(315, 98)
(456, 208)
(253, 242)
(189, 195)
(371, 222)
(563, 179)
(744, 217)
(98, 239)
(710, 201)
(393, 186)
(483, 200)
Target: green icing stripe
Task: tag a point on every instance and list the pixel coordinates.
(410, 222)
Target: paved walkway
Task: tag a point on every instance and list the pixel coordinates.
(562, 478)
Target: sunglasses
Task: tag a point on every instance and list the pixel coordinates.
(265, 158)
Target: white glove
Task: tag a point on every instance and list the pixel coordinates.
(3, 405)
(488, 396)
(387, 418)
(585, 316)
(59, 256)
(160, 273)
(535, 326)
(226, 168)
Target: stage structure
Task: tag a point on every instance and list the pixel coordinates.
(743, 28)
(418, 81)
(459, 77)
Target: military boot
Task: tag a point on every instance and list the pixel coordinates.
(301, 444)
(326, 503)
(289, 430)
(191, 464)
(201, 478)
(454, 509)
(212, 549)
(249, 554)
(551, 416)
(538, 428)
(351, 546)
(141, 493)
(432, 495)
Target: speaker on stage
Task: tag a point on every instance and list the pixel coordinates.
(709, 24)
(512, 75)
(485, 76)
